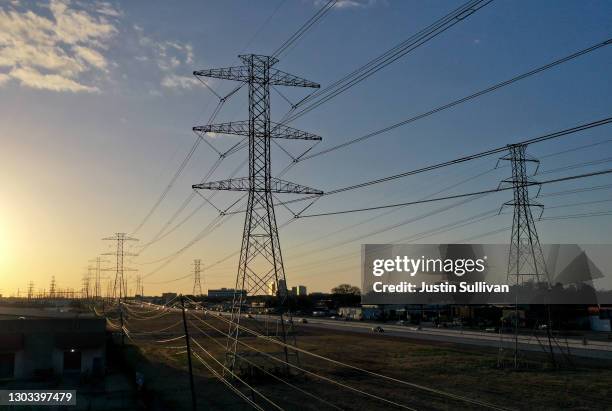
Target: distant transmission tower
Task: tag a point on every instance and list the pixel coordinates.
(97, 290)
(30, 290)
(260, 256)
(525, 259)
(86, 287)
(52, 288)
(197, 287)
(139, 286)
(120, 253)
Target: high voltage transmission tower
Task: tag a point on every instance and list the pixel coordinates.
(260, 256)
(97, 291)
(120, 253)
(86, 283)
(197, 286)
(30, 290)
(526, 262)
(139, 286)
(52, 288)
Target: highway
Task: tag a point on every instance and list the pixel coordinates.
(576, 347)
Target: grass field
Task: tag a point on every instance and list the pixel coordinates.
(460, 370)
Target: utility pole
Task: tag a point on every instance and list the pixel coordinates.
(119, 269)
(525, 259)
(260, 256)
(197, 287)
(30, 290)
(187, 342)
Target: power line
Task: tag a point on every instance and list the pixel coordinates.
(390, 56)
(227, 383)
(463, 99)
(545, 137)
(234, 375)
(222, 100)
(456, 16)
(497, 150)
(476, 193)
(573, 149)
(362, 370)
(253, 364)
(183, 165)
(304, 28)
(303, 370)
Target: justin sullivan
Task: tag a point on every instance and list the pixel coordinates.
(445, 287)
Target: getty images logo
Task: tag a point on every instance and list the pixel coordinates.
(412, 266)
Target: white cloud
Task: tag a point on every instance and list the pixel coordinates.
(91, 57)
(108, 9)
(55, 52)
(179, 82)
(32, 78)
(4, 78)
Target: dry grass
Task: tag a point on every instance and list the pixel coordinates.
(465, 371)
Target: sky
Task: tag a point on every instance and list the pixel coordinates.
(97, 103)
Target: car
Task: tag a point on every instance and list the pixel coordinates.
(333, 317)
(249, 316)
(304, 321)
(401, 322)
(378, 329)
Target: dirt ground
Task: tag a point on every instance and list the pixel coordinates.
(464, 371)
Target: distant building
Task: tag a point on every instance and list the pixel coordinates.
(223, 293)
(272, 288)
(62, 344)
(298, 290)
(280, 289)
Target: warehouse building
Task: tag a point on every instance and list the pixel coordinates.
(42, 347)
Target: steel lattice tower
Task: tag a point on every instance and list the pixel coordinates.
(119, 269)
(52, 288)
(97, 287)
(525, 260)
(30, 290)
(260, 256)
(197, 287)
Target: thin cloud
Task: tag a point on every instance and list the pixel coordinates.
(172, 59)
(108, 9)
(55, 53)
(32, 78)
(179, 82)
